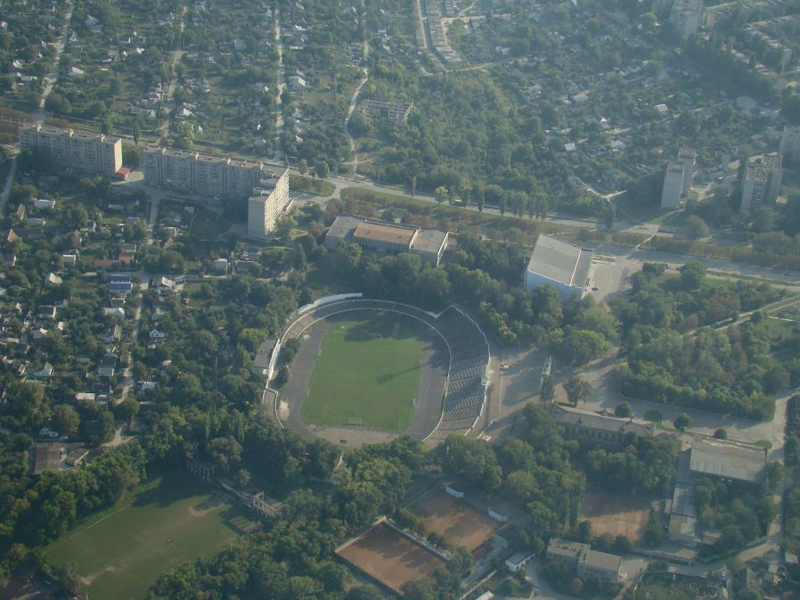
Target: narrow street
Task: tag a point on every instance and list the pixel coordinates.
(351, 109)
(174, 59)
(281, 86)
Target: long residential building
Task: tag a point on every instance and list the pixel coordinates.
(83, 151)
(266, 185)
(203, 173)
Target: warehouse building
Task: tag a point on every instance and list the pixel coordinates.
(563, 265)
(728, 460)
(388, 238)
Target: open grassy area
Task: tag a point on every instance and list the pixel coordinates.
(317, 187)
(367, 374)
(119, 555)
(208, 225)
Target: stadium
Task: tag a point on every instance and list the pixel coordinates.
(368, 371)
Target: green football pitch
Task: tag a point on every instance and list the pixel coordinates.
(121, 554)
(367, 373)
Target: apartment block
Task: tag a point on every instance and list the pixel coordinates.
(83, 151)
(761, 182)
(202, 173)
(686, 16)
(266, 203)
(790, 144)
(673, 185)
(688, 158)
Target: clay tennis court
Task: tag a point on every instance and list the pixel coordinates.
(455, 520)
(617, 516)
(389, 557)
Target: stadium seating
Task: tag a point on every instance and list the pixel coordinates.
(469, 355)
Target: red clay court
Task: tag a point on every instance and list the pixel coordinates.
(390, 557)
(455, 520)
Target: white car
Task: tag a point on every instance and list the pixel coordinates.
(504, 367)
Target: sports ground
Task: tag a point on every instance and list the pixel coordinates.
(367, 373)
(459, 523)
(390, 557)
(120, 555)
(616, 516)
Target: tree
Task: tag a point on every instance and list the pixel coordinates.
(721, 434)
(440, 194)
(548, 389)
(693, 274)
(682, 421)
(137, 132)
(695, 227)
(413, 185)
(578, 390)
(576, 587)
(623, 410)
(323, 170)
(65, 419)
(609, 214)
(302, 166)
(284, 227)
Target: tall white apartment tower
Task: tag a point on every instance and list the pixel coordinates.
(686, 16)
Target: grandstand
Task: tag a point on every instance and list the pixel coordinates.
(465, 389)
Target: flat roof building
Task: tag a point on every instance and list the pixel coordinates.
(205, 174)
(606, 430)
(83, 151)
(761, 182)
(589, 563)
(790, 144)
(672, 189)
(728, 460)
(563, 265)
(267, 202)
(388, 238)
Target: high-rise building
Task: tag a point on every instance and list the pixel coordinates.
(686, 16)
(83, 151)
(203, 173)
(673, 185)
(688, 157)
(761, 182)
(790, 144)
(266, 203)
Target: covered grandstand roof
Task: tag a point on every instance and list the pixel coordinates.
(560, 261)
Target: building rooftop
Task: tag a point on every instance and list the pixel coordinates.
(566, 548)
(343, 226)
(602, 560)
(380, 232)
(676, 167)
(560, 261)
(429, 240)
(572, 416)
(732, 460)
(47, 457)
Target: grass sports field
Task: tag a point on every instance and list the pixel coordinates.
(120, 555)
(367, 373)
